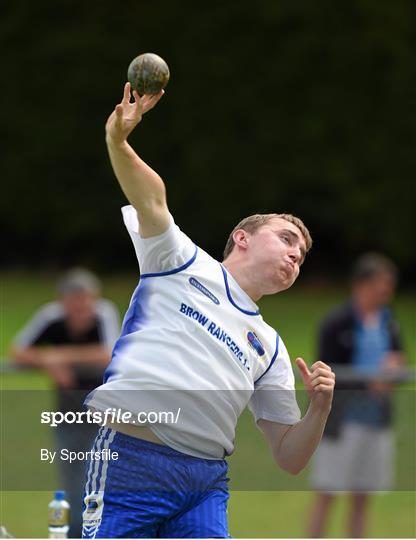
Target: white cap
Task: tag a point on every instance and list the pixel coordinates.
(78, 280)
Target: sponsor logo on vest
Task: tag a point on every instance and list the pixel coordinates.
(204, 290)
(92, 506)
(255, 343)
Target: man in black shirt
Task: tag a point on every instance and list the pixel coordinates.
(71, 340)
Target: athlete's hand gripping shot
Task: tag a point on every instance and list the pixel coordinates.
(193, 340)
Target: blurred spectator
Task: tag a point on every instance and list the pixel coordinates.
(361, 342)
(71, 339)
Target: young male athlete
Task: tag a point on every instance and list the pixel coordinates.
(193, 342)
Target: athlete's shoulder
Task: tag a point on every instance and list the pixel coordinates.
(204, 257)
(162, 254)
(282, 351)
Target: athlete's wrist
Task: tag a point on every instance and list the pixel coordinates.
(116, 143)
(320, 405)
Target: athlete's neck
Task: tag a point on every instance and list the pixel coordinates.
(243, 277)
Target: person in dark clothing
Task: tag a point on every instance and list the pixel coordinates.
(361, 342)
(71, 339)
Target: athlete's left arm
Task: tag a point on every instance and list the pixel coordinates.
(293, 446)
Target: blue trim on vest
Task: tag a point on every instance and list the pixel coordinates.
(134, 319)
(175, 271)
(230, 298)
(273, 359)
(89, 397)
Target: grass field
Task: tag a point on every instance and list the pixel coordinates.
(265, 502)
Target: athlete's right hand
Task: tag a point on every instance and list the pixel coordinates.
(319, 382)
(127, 114)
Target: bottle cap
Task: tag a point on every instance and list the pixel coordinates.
(59, 495)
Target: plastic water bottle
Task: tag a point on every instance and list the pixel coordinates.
(58, 516)
(4, 533)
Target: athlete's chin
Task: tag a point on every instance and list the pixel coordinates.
(285, 286)
(282, 284)
(286, 280)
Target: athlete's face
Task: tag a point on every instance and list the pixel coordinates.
(278, 249)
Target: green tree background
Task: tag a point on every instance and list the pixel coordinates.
(298, 106)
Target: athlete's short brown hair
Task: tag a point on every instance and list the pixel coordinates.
(254, 222)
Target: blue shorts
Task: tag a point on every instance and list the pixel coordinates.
(153, 491)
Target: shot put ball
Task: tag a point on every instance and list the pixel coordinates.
(148, 74)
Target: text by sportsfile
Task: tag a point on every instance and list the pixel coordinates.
(109, 416)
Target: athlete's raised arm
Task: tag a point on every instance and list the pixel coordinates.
(142, 186)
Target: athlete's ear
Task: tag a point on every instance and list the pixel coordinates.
(241, 238)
